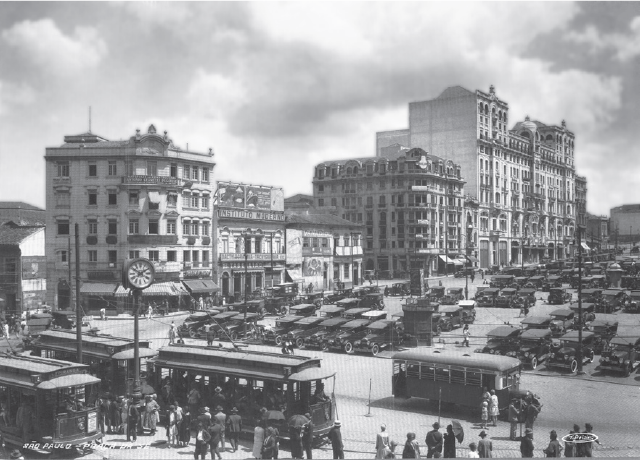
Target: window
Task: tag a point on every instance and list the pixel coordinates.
(113, 198)
(334, 202)
(205, 258)
(346, 271)
(154, 256)
(321, 202)
(63, 227)
(152, 168)
(205, 202)
(186, 227)
(93, 198)
(194, 228)
(173, 170)
(305, 242)
(172, 200)
(194, 201)
(171, 256)
(205, 174)
(63, 257)
(113, 168)
(112, 226)
(93, 170)
(63, 168)
(194, 173)
(171, 227)
(93, 255)
(134, 198)
(128, 166)
(134, 254)
(113, 256)
(186, 172)
(93, 226)
(195, 257)
(205, 228)
(186, 256)
(153, 227)
(134, 226)
(63, 199)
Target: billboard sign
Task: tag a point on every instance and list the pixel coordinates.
(251, 197)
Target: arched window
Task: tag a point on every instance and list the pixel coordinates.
(349, 171)
(497, 197)
(486, 109)
(355, 170)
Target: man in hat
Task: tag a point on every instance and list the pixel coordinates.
(532, 412)
(218, 399)
(202, 441)
(554, 449)
(204, 416)
(526, 444)
(215, 430)
(307, 436)
(335, 436)
(586, 447)
(434, 442)
(222, 419)
(485, 446)
(194, 398)
(132, 421)
(234, 426)
(514, 413)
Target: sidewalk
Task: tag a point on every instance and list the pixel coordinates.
(128, 316)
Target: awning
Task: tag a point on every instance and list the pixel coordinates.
(165, 288)
(68, 381)
(457, 261)
(287, 277)
(121, 291)
(201, 286)
(154, 197)
(128, 354)
(313, 373)
(98, 288)
(446, 259)
(585, 246)
(472, 259)
(179, 287)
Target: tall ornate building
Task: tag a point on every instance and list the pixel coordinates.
(520, 182)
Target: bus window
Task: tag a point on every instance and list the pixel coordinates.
(442, 375)
(413, 370)
(474, 378)
(488, 381)
(457, 377)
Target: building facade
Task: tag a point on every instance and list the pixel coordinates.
(597, 234)
(140, 197)
(625, 223)
(410, 203)
(520, 182)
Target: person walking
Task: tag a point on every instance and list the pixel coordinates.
(473, 276)
(258, 440)
(172, 426)
(526, 444)
(465, 334)
(335, 436)
(554, 449)
(270, 446)
(571, 448)
(295, 442)
(382, 441)
(493, 408)
(485, 446)
(222, 418)
(484, 415)
(211, 335)
(202, 442)
(132, 422)
(151, 411)
(587, 447)
(473, 450)
(234, 427)
(172, 332)
(434, 442)
(449, 443)
(514, 413)
(307, 437)
(184, 427)
(532, 413)
(411, 447)
(193, 398)
(215, 430)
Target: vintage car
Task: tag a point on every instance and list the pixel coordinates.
(521, 281)
(278, 333)
(537, 282)
(338, 294)
(564, 354)
(67, 319)
(506, 298)
(452, 296)
(277, 305)
(330, 311)
(502, 281)
(530, 271)
(628, 282)
(381, 335)
(528, 295)
(349, 303)
(561, 321)
(597, 271)
(289, 290)
(588, 313)
(612, 300)
(553, 281)
(587, 282)
(374, 315)
(488, 297)
(315, 298)
(373, 300)
(558, 296)
(305, 309)
(502, 340)
(536, 322)
(535, 347)
(599, 282)
(436, 293)
(604, 330)
(591, 295)
(234, 329)
(567, 274)
(252, 306)
(479, 291)
(327, 326)
(451, 317)
(355, 313)
(633, 303)
(346, 335)
(463, 272)
(193, 323)
(302, 329)
(621, 355)
(360, 292)
(398, 289)
(468, 311)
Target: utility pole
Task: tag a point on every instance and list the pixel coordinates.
(246, 279)
(271, 249)
(579, 354)
(78, 306)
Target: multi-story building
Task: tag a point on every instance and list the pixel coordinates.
(140, 197)
(597, 235)
(410, 203)
(19, 211)
(520, 182)
(249, 227)
(581, 201)
(625, 223)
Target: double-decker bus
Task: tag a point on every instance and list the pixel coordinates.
(109, 358)
(249, 380)
(47, 403)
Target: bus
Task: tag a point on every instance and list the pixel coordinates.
(47, 402)
(456, 377)
(109, 358)
(249, 380)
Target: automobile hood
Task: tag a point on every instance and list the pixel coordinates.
(567, 351)
(619, 355)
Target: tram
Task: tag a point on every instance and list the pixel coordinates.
(47, 403)
(109, 358)
(249, 380)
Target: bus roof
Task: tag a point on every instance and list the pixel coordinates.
(19, 370)
(482, 361)
(94, 340)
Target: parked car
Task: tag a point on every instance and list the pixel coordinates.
(305, 309)
(564, 354)
(488, 297)
(479, 291)
(349, 303)
(330, 311)
(502, 340)
(621, 355)
(193, 323)
(537, 282)
(468, 311)
(436, 293)
(536, 322)
(521, 281)
(633, 303)
(277, 305)
(234, 328)
(599, 281)
(452, 296)
(502, 281)
(588, 313)
(327, 326)
(528, 295)
(348, 333)
(591, 295)
(398, 289)
(558, 296)
(374, 315)
(338, 294)
(355, 313)
(506, 298)
(278, 333)
(561, 321)
(373, 300)
(567, 274)
(451, 317)
(315, 298)
(359, 292)
(553, 281)
(463, 272)
(612, 300)
(381, 335)
(304, 328)
(252, 306)
(604, 330)
(535, 347)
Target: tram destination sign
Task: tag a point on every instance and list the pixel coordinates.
(252, 215)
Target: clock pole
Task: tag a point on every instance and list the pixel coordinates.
(137, 391)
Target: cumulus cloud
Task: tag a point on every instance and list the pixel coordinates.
(626, 46)
(45, 46)
(13, 95)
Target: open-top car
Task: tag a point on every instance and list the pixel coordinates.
(304, 328)
(327, 326)
(604, 330)
(355, 313)
(315, 298)
(633, 303)
(591, 295)
(501, 341)
(468, 311)
(612, 300)
(537, 282)
(535, 347)
(436, 293)
(234, 329)
(564, 354)
(347, 334)
(536, 322)
(488, 297)
(621, 355)
(558, 296)
(553, 281)
(330, 311)
(374, 300)
(398, 289)
(502, 281)
(305, 309)
(588, 313)
(193, 323)
(561, 321)
(349, 303)
(506, 298)
(381, 335)
(452, 296)
(277, 305)
(338, 294)
(278, 333)
(451, 317)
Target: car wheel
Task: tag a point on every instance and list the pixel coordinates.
(299, 342)
(283, 310)
(627, 371)
(278, 340)
(574, 365)
(375, 349)
(591, 356)
(233, 335)
(348, 347)
(534, 363)
(192, 333)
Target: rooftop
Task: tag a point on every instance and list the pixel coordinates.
(12, 233)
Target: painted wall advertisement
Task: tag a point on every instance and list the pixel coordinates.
(312, 266)
(294, 247)
(245, 196)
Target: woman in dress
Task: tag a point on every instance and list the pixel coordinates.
(184, 427)
(411, 447)
(493, 408)
(449, 443)
(258, 440)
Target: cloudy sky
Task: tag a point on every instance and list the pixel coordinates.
(275, 88)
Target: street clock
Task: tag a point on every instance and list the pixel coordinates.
(138, 273)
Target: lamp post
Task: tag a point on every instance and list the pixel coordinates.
(579, 353)
(353, 267)
(246, 278)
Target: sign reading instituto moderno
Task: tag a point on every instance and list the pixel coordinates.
(251, 215)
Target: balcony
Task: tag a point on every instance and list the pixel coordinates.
(153, 240)
(8, 278)
(316, 251)
(234, 257)
(346, 251)
(153, 180)
(166, 267)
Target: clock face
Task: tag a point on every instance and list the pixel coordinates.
(140, 274)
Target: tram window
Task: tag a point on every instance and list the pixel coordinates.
(474, 379)
(488, 381)
(242, 382)
(442, 375)
(122, 363)
(427, 372)
(457, 377)
(413, 370)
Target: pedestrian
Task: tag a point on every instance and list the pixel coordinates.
(526, 444)
(132, 422)
(222, 418)
(124, 416)
(434, 442)
(482, 273)
(114, 416)
(473, 276)
(473, 450)
(6, 330)
(335, 436)
(201, 303)
(270, 446)
(149, 312)
(184, 427)
(466, 334)
(103, 314)
(514, 413)
(258, 440)
(307, 437)
(485, 446)
(532, 412)
(172, 332)
(218, 398)
(382, 441)
(493, 408)
(172, 426)
(587, 447)
(411, 447)
(570, 447)
(215, 430)
(554, 449)
(211, 336)
(202, 442)
(204, 417)
(449, 443)
(485, 415)
(295, 441)
(440, 283)
(234, 427)
(194, 398)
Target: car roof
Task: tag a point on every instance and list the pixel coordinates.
(289, 319)
(535, 334)
(573, 335)
(503, 331)
(491, 291)
(561, 312)
(527, 291)
(585, 306)
(356, 311)
(612, 291)
(455, 289)
(591, 291)
(509, 291)
(346, 301)
(302, 306)
(225, 314)
(558, 289)
(449, 308)
(467, 303)
(382, 324)
(250, 316)
(331, 309)
(536, 320)
(502, 277)
(603, 323)
(625, 340)
(311, 320)
(537, 277)
(553, 278)
(337, 321)
(356, 323)
(375, 313)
